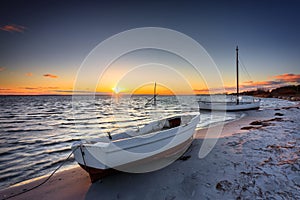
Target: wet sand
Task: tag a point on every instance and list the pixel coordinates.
(256, 157)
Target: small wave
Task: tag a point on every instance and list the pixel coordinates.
(9, 177)
(28, 130)
(7, 116)
(61, 150)
(12, 121)
(10, 149)
(67, 123)
(60, 142)
(82, 119)
(5, 153)
(53, 164)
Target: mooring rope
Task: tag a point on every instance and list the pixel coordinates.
(47, 179)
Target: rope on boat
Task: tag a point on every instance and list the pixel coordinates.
(82, 155)
(47, 179)
(152, 99)
(244, 68)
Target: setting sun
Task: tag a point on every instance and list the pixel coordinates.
(117, 89)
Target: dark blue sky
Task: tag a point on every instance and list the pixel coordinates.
(59, 34)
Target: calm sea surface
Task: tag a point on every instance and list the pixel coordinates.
(36, 132)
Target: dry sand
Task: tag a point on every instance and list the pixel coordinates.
(257, 157)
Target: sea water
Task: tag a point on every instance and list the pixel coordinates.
(36, 132)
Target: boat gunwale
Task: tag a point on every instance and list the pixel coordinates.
(136, 145)
(231, 108)
(142, 136)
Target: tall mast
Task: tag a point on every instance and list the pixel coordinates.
(154, 96)
(237, 75)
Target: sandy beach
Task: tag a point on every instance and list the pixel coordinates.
(256, 157)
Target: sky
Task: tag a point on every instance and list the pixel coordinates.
(43, 43)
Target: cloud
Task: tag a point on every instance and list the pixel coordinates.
(29, 74)
(31, 88)
(262, 84)
(291, 78)
(71, 91)
(201, 90)
(75, 91)
(212, 90)
(81, 92)
(50, 76)
(2, 69)
(38, 88)
(278, 81)
(13, 28)
(248, 82)
(274, 82)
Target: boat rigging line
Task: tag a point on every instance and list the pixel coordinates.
(244, 68)
(153, 98)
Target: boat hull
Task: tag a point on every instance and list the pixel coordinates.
(219, 106)
(164, 157)
(138, 154)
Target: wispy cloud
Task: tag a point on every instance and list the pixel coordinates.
(212, 90)
(277, 81)
(50, 76)
(2, 69)
(274, 82)
(31, 88)
(292, 78)
(36, 88)
(73, 91)
(81, 92)
(259, 83)
(13, 28)
(248, 82)
(201, 91)
(29, 74)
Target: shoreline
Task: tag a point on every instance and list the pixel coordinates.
(189, 178)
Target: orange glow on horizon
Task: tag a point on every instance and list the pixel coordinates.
(149, 90)
(12, 83)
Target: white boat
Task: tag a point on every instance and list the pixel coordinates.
(231, 106)
(136, 149)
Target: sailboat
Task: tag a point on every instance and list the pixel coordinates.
(237, 105)
(153, 99)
